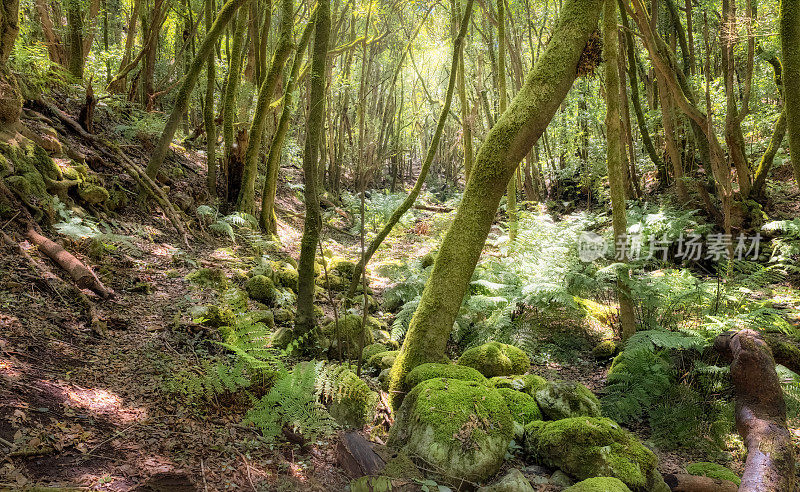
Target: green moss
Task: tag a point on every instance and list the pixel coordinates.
(401, 466)
(496, 359)
(382, 360)
(350, 331)
(209, 277)
(283, 316)
(560, 400)
(713, 470)
(373, 349)
(428, 260)
(261, 288)
(284, 275)
(373, 484)
(599, 484)
(460, 428)
(605, 350)
(522, 406)
(353, 403)
(527, 383)
(215, 317)
(432, 370)
(92, 194)
(513, 481)
(344, 268)
(586, 447)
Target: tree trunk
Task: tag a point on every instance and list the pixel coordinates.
(760, 412)
(267, 220)
(74, 38)
(231, 90)
(10, 98)
(511, 138)
(182, 99)
(790, 46)
(208, 110)
(246, 199)
(768, 157)
(398, 213)
(304, 323)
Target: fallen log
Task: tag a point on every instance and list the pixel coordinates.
(760, 412)
(432, 208)
(83, 276)
(693, 483)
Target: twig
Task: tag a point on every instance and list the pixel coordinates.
(203, 473)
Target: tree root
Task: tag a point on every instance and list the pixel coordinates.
(144, 181)
(760, 412)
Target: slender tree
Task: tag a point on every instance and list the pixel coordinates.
(458, 45)
(246, 199)
(10, 98)
(510, 139)
(208, 109)
(190, 79)
(304, 322)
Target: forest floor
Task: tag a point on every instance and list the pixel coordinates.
(85, 411)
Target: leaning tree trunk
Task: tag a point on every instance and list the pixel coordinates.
(617, 166)
(506, 144)
(192, 74)
(304, 324)
(760, 412)
(268, 220)
(458, 46)
(790, 47)
(246, 199)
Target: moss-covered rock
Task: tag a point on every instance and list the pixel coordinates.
(431, 370)
(527, 383)
(460, 428)
(587, 447)
(599, 484)
(561, 400)
(342, 267)
(496, 359)
(263, 316)
(92, 194)
(384, 337)
(209, 277)
(522, 406)
(383, 483)
(350, 331)
(605, 350)
(513, 481)
(284, 275)
(382, 360)
(373, 349)
(428, 260)
(352, 404)
(261, 288)
(401, 466)
(284, 316)
(713, 470)
(215, 317)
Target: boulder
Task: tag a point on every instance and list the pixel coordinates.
(382, 360)
(496, 359)
(284, 275)
(599, 484)
(351, 332)
(712, 470)
(522, 406)
(431, 370)
(459, 428)
(351, 403)
(605, 350)
(587, 447)
(562, 400)
(527, 383)
(373, 349)
(261, 288)
(513, 481)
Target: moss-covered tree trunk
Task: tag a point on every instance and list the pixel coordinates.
(466, 124)
(304, 322)
(238, 24)
(208, 110)
(790, 46)
(246, 200)
(10, 99)
(511, 191)
(458, 46)
(498, 158)
(74, 38)
(616, 161)
(267, 219)
(184, 93)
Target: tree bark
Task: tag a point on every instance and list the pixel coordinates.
(192, 74)
(790, 47)
(208, 109)
(509, 140)
(304, 322)
(231, 90)
(760, 412)
(246, 199)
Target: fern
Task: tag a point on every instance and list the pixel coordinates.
(651, 340)
(636, 382)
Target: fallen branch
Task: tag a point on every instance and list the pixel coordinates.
(83, 276)
(431, 208)
(693, 483)
(760, 412)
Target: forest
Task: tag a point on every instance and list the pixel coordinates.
(400, 245)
